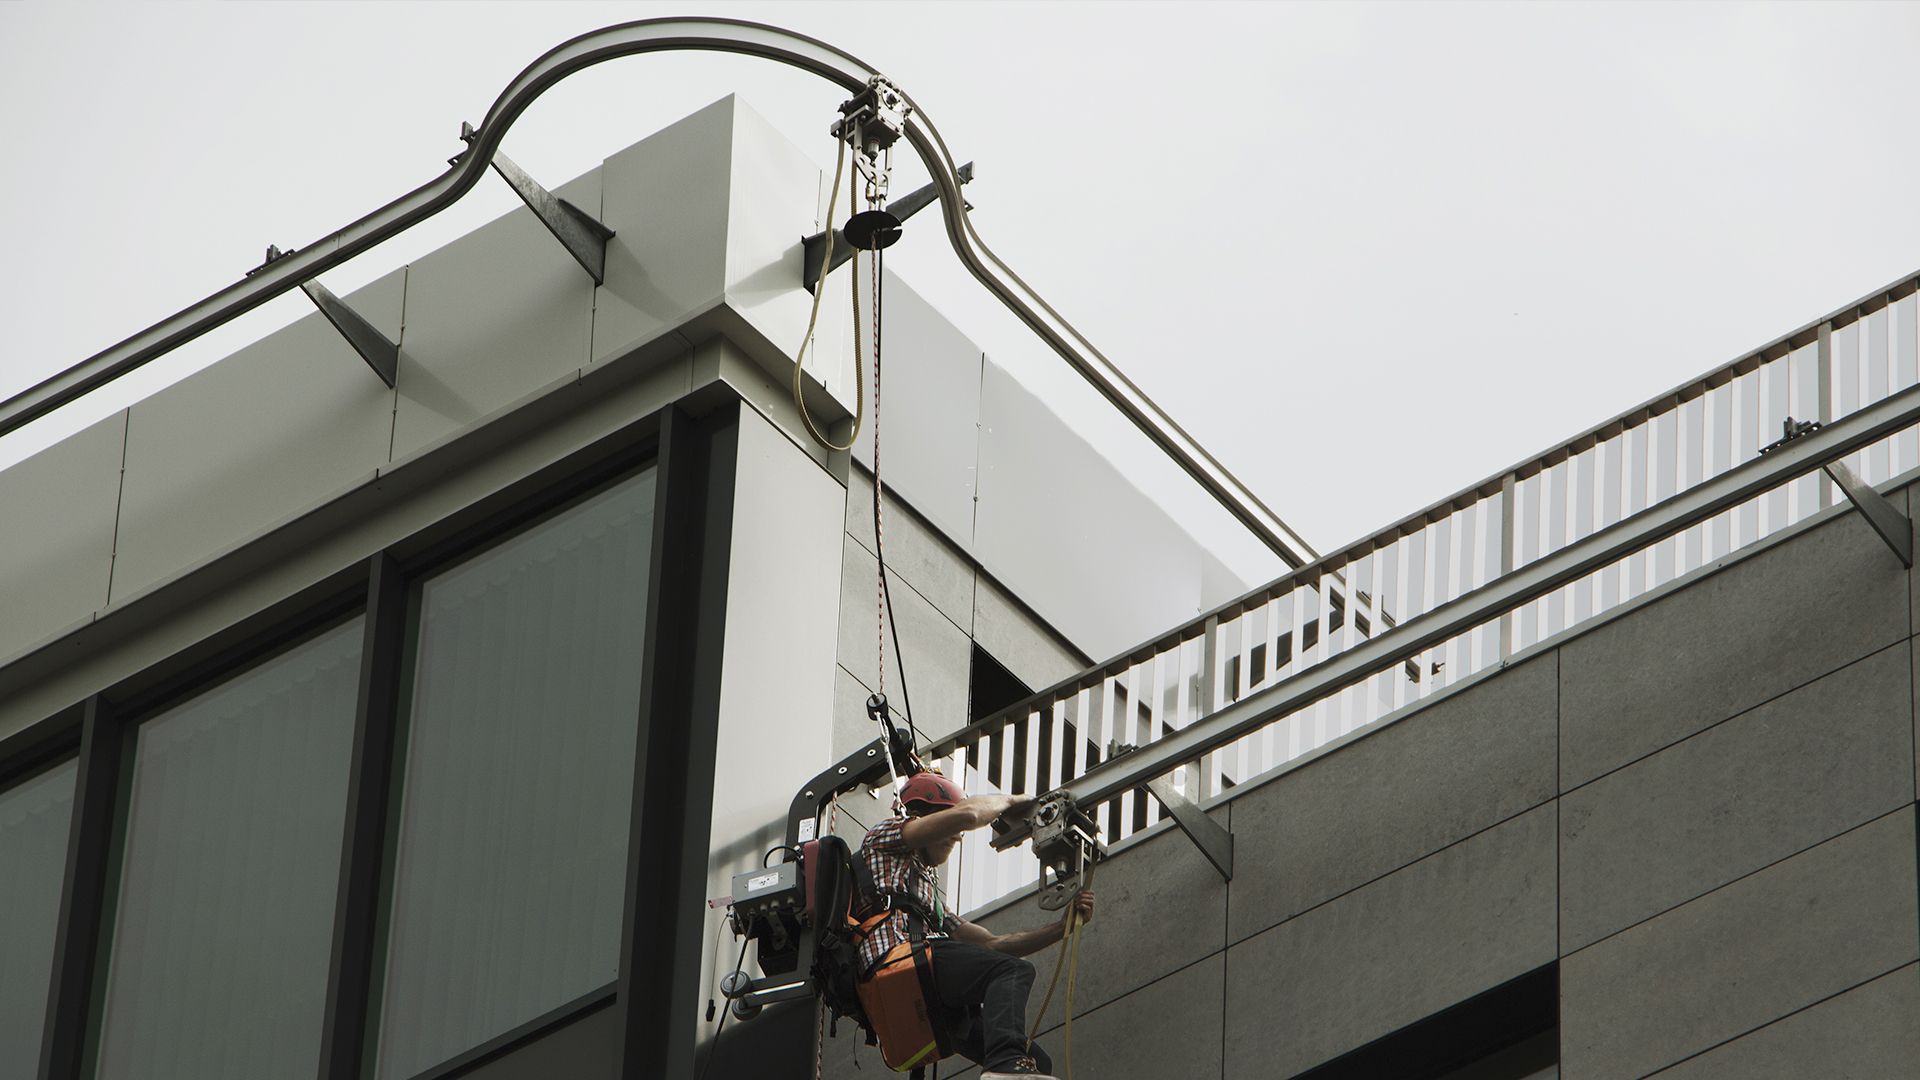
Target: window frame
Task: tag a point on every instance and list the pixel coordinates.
(694, 453)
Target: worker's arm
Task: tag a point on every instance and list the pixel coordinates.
(973, 812)
(1025, 942)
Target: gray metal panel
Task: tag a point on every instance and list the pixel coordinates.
(666, 201)
(772, 187)
(1168, 1028)
(1804, 767)
(930, 407)
(1759, 949)
(1458, 922)
(1727, 643)
(1013, 637)
(1457, 766)
(938, 657)
(1065, 531)
(1161, 908)
(265, 433)
(58, 533)
(777, 675)
(1868, 1031)
(916, 553)
(492, 316)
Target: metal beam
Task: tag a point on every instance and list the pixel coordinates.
(1536, 579)
(664, 35)
(1213, 840)
(578, 231)
(814, 247)
(381, 355)
(1893, 526)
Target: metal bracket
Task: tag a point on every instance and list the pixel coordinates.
(382, 355)
(1213, 840)
(814, 248)
(584, 237)
(1893, 526)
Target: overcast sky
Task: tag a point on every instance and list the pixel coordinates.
(1367, 254)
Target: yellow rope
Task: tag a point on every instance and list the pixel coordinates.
(820, 286)
(1069, 945)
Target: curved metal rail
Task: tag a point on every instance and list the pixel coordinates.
(659, 35)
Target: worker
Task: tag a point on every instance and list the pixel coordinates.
(979, 975)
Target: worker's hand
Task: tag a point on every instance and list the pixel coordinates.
(1019, 807)
(1082, 906)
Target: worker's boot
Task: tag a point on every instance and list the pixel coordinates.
(1019, 1069)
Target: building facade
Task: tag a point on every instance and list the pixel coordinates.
(412, 732)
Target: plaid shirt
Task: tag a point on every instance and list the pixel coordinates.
(897, 868)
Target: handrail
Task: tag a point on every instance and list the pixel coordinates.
(628, 39)
(1492, 486)
(1686, 509)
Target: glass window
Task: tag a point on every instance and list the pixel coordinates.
(509, 876)
(34, 817)
(224, 918)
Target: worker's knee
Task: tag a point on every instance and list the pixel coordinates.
(1018, 969)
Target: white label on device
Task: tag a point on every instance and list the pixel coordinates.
(756, 884)
(806, 830)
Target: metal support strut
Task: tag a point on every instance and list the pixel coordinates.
(814, 248)
(382, 355)
(1893, 527)
(578, 231)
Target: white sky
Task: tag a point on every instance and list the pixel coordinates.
(1368, 255)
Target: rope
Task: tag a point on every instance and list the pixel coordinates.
(820, 1003)
(820, 286)
(1069, 945)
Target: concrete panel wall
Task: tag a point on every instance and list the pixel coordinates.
(1699, 816)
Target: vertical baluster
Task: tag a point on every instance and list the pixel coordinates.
(1746, 446)
(1392, 604)
(1555, 498)
(1301, 605)
(1639, 469)
(1585, 493)
(1693, 452)
(1666, 468)
(1442, 542)
(1613, 483)
(1509, 532)
(1823, 391)
(1526, 548)
(1720, 459)
(1878, 377)
(1803, 402)
(1905, 343)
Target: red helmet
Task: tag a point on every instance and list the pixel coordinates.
(926, 792)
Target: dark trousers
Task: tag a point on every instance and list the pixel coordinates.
(986, 993)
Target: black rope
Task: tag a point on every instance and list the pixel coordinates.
(715, 1052)
(879, 546)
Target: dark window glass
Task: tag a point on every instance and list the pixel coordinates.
(224, 919)
(510, 870)
(34, 817)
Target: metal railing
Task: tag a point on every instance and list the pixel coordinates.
(1650, 455)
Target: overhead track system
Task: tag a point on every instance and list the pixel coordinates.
(662, 35)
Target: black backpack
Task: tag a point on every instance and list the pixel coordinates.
(843, 893)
